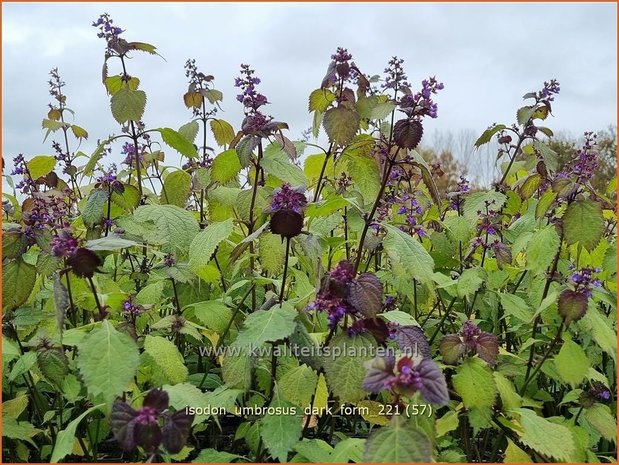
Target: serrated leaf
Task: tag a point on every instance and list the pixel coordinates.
(543, 436)
(226, 166)
(178, 142)
(79, 132)
(189, 131)
(409, 253)
(167, 358)
(92, 212)
(341, 125)
(298, 385)
(516, 306)
(214, 314)
(476, 201)
(193, 99)
(281, 432)
(541, 249)
(382, 110)
(366, 294)
(176, 188)
(272, 252)
(215, 456)
(109, 243)
(600, 417)
(266, 325)
(41, 165)
(345, 373)
(475, 384)
(572, 363)
(583, 222)
(486, 136)
(128, 105)
(174, 225)
(320, 99)
(107, 360)
(470, 281)
(213, 95)
(400, 442)
(18, 279)
(223, 132)
(185, 394)
(206, 241)
(524, 114)
(365, 173)
(278, 164)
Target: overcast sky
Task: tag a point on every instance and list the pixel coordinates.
(487, 55)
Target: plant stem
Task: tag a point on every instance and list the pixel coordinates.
(552, 345)
(322, 173)
(281, 292)
(96, 296)
(511, 161)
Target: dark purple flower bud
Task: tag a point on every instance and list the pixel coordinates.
(84, 262)
(64, 244)
(343, 273)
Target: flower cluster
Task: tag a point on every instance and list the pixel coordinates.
(487, 226)
(332, 298)
(131, 309)
(551, 88)
(406, 375)
(128, 150)
(151, 425)
(584, 280)
(250, 99)
(106, 27)
(46, 211)
(287, 206)
(55, 88)
(421, 104)
(411, 209)
(586, 160)
(64, 244)
(469, 341)
(396, 77)
(456, 197)
(20, 168)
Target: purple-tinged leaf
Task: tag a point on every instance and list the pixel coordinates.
(286, 223)
(84, 263)
(434, 387)
(157, 399)
(487, 348)
(175, 431)
(412, 339)
(148, 436)
(366, 294)
(572, 305)
(452, 348)
(377, 328)
(123, 424)
(379, 373)
(407, 133)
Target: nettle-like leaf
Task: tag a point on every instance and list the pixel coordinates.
(407, 133)
(475, 384)
(280, 432)
(41, 165)
(178, 142)
(18, 279)
(572, 363)
(226, 166)
(452, 349)
(412, 338)
(543, 436)
(400, 442)
(583, 222)
(206, 241)
(223, 132)
(167, 358)
(341, 125)
(128, 105)
(298, 385)
(366, 294)
(267, 325)
(107, 361)
(409, 253)
(572, 305)
(488, 133)
(320, 99)
(176, 188)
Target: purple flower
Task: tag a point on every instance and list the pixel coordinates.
(550, 89)
(169, 260)
(287, 198)
(585, 281)
(396, 77)
(343, 273)
(250, 99)
(106, 29)
(151, 425)
(64, 244)
(131, 309)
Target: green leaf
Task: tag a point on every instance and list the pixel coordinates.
(92, 211)
(167, 358)
(23, 365)
(314, 450)
(214, 314)
(603, 421)
(298, 385)
(66, 437)
(409, 253)
(509, 397)
(178, 142)
(320, 100)
(476, 201)
(187, 395)
(516, 306)
(206, 241)
(110, 243)
(488, 133)
(174, 225)
(348, 450)
(341, 125)
(223, 131)
(18, 279)
(382, 110)
(226, 166)
(281, 432)
(514, 454)
(583, 222)
(470, 281)
(400, 442)
(95, 157)
(51, 126)
(475, 384)
(189, 131)
(601, 328)
(128, 105)
(236, 369)
(213, 95)
(572, 363)
(345, 372)
(524, 114)
(22, 430)
(272, 253)
(267, 325)
(277, 163)
(143, 47)
(215, 456)
(78, 132)
(544, 437)
(541, 249)
(176, 188)
(365, 173)
(41, 165)
(107, 360)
